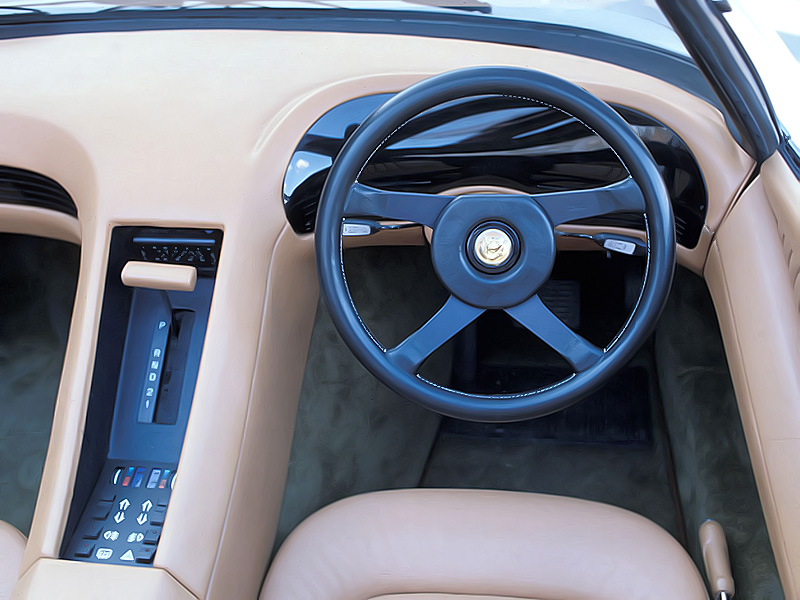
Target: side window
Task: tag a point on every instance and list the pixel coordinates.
(770, 33)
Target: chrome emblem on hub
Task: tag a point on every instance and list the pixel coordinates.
(493, 247)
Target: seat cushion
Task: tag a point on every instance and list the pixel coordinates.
(12, 545)
(479, 543)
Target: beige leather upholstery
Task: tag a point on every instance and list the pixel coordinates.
(50, 579)
(12, 545)
(479, 543)
(754, 278)
(141, 131)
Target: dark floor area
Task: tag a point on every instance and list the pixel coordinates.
(353, 434)
(38, 278)
(584, 451)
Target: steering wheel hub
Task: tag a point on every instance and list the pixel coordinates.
(493, 247)
(520, 268)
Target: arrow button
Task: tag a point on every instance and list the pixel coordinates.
(142, 518)
(127, 556)
(124, 504)
(119, 517)
(147, 506)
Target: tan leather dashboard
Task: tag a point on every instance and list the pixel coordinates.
(195, 128)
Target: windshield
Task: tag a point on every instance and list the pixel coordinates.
(770, 33)
(639, 20)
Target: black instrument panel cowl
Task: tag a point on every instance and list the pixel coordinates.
(497, 141)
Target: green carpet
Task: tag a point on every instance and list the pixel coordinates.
(635, 476)
(715, 479)
(353, 434)
(38, 278)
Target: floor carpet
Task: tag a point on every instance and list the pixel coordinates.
(634, 475)
(38, 278)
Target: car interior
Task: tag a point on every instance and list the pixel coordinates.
(389, 304)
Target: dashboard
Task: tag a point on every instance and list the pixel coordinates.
(232, 132)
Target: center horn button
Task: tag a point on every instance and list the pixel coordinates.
(493, 247)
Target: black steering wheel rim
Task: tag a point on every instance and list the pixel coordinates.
(392, 366)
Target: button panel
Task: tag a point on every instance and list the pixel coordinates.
(123, 519)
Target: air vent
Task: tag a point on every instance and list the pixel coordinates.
(18, 186)
(680, 230)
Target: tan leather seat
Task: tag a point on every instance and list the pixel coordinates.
(12, 545)
(444, 544)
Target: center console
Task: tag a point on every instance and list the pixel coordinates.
(156, 303)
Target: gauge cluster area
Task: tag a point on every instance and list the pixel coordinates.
(493, 141)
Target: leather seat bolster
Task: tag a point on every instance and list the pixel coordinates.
(12, 546)
(440, 597)
(479, 543)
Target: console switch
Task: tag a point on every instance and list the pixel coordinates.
(93, 531)
(101, 510)
(152, 481)
(151, 536)
(84, 549)
(145, 554)
(158, 514)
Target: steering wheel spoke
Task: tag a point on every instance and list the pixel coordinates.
(561, 207)
(366, 201)
(454, 316)
(540, 320)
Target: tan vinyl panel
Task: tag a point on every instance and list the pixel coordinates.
(32, 220)
(752, 281)
(42, 143)
(194, 128)
(783, 194)
(64, 580)
(264, 455)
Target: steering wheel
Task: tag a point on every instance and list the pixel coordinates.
(493, 252)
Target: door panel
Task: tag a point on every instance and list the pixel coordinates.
(753, 272)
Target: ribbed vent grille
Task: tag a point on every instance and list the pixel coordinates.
(680, 231)
(18, 186)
